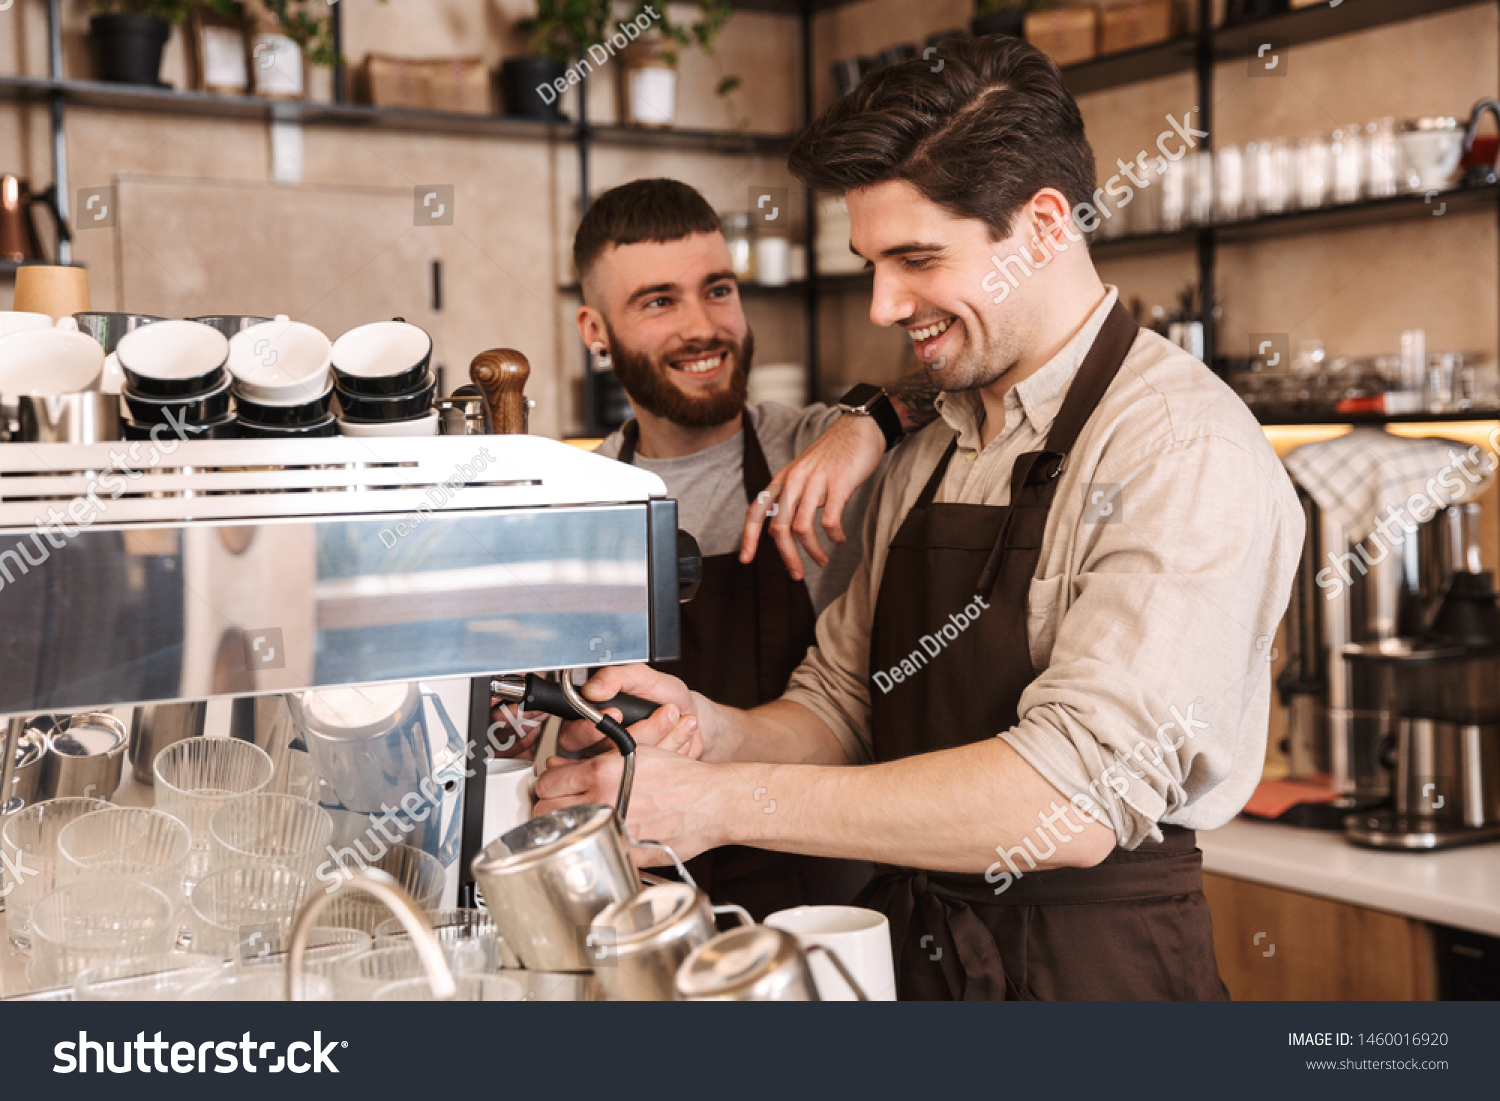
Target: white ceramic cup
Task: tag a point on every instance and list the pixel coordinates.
(425, 425)
(772, 261)
(509, 795)
(13, 321)
(1432, 156)
(48, 362)
(279, 362)
(860, 938)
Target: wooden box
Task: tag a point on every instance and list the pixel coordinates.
(459, 84)
(1067, 35)
(1133, 25)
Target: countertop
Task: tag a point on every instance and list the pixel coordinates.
(1459, 887)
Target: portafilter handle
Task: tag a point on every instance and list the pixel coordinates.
(611, 730)
(501, 375)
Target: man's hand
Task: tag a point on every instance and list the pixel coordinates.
(824, 476)
(673, 800)
(672, 726)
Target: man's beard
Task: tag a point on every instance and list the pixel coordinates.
(651, 389)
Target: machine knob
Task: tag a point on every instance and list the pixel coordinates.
(689, 567)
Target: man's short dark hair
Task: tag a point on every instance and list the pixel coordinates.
(643, 210)
(979, 137)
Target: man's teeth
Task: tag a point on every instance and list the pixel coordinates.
(698, 367)
(931, 330)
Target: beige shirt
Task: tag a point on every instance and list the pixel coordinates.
(1152, 612)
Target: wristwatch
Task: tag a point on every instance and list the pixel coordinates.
(872, 401)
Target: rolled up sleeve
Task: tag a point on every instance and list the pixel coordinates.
(1149, 697)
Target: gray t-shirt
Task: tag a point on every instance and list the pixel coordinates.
(710, 490)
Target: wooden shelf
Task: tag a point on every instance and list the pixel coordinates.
(169, 101)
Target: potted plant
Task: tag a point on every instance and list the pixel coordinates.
(648, 79)
(132, 34)
(562, 32)
(1004, 16)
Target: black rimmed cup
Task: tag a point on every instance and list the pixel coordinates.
(271, 415)
(211, 406)
(398, 408)
(224, 428)
(173, 359)
(382, 359)
(325, 427)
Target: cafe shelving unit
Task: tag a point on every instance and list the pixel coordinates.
(1198, 52)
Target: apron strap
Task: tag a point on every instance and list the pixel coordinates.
(929, 491)
(1033, 479)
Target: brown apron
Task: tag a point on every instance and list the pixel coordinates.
(744, 633)
(1134, 927)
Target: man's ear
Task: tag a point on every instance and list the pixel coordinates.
(591, 329)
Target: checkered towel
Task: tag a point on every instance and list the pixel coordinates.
(1358, 477)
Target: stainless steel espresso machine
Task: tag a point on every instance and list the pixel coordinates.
(276, 572)
(1383, 701)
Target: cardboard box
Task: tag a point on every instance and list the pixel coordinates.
(459, 84)
(1131, 26)
(1067, 35)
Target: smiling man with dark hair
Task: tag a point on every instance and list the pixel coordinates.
(1094, 534)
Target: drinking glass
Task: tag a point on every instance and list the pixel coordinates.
(260, 984)
(135, 842)
(1383, 173)
(1313, 172)
(1273, 176)
(92, 922)
(32, 865)
(197, 776)
(1442, 378)
(418, 873)
(357, 978)
(1229, 184)
(452, 926)
(471, 988)
(1201, 203)
(1348, 153)
(326, 946)
(266, 828)
(1176, 185)
(159, 978)
(245, 911)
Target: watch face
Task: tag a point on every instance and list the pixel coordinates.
(860, 396)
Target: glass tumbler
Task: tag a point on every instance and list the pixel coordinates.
(1313, 172)
(358, 978)
(453, 926)
(197, 776)
(160, 978)
(1273, 176)
(149, 845)
(32, 865)
(1348, 152)
(1382, 173)
(471, 988)
(267, 828)
(245, 911)
(1201, 200)
(418, 873)
(1229, 184)
(94, 922)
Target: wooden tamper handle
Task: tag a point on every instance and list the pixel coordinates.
(501, 375)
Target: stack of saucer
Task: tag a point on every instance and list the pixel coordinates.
(281, 385)
(175, 382)
(384, 384)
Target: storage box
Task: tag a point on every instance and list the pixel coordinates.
(1131, 26)
(1067, 35)
(433, 84)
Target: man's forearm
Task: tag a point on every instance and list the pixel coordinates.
(777, 732)
(913, 398)
(971, 809)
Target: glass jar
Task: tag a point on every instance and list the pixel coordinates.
(739, 235)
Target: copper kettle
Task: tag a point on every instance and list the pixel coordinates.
(19, 239)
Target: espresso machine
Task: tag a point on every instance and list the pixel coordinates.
(1434, 699)
(1372, 597)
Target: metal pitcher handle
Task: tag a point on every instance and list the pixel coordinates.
(738, 911)
(838, 964)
